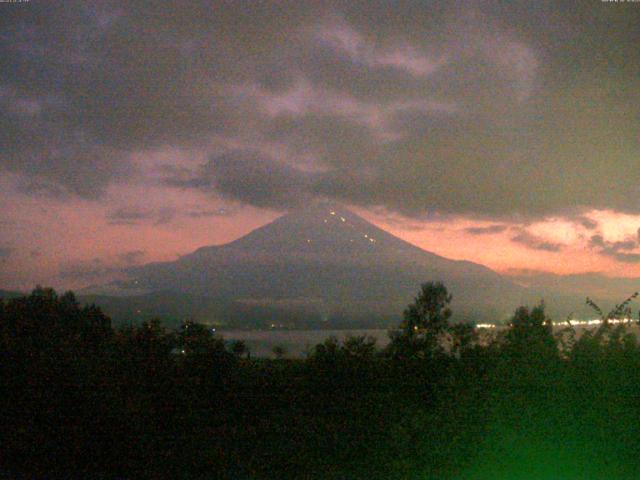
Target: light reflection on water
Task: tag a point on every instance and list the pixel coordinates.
(297, 343)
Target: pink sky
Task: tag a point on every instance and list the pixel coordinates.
(506, 136)
(48, 236)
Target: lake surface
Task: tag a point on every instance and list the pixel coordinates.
(296, 342)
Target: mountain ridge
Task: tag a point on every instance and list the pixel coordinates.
(329, 260)
(326, 266)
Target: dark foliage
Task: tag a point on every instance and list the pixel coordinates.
(85, 401)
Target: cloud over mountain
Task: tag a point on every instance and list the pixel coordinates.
(462, 108)
(535, 242)
(501, 133)
(486, 230)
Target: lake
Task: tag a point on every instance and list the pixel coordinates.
(296, 342)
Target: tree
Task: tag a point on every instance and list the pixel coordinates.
(239, 348)
(620, 312)
(44, 321)
(425, 321)
(148, 340)
(463, 337)
(430, 312)
(530, 333)
(360, 346)
(279, 351)
(197, 339)
(327, 351)
(606, 338)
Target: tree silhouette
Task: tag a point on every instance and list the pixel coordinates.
(239, 348)
(622, 311)
(360, 346)
(327, 351)
(530, 334)
(44, 321)
(463, 337)
(424, 323)
(430, 312)
(279, 351)
(196, 338)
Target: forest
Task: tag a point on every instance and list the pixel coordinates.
(83, 399)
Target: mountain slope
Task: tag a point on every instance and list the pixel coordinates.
(323, 262)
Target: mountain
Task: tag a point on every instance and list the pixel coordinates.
(565, 295)
(608, 289)
(321, 265)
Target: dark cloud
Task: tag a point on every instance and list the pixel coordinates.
(474, 109)
(486, 230)
(183, 177)
(622, 251)
(136, 216)
(251, 177)
(127, 216)
(587, 223)
(536, 243)
(131, 258)
(597, 241)
(218, 212)
(612, 247)
(5, 252)
(626, 257)
(398, 222)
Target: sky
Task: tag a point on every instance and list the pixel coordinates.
(505, 133)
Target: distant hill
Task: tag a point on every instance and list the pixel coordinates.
(10, 294)
(565, 295)
(593, 284)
